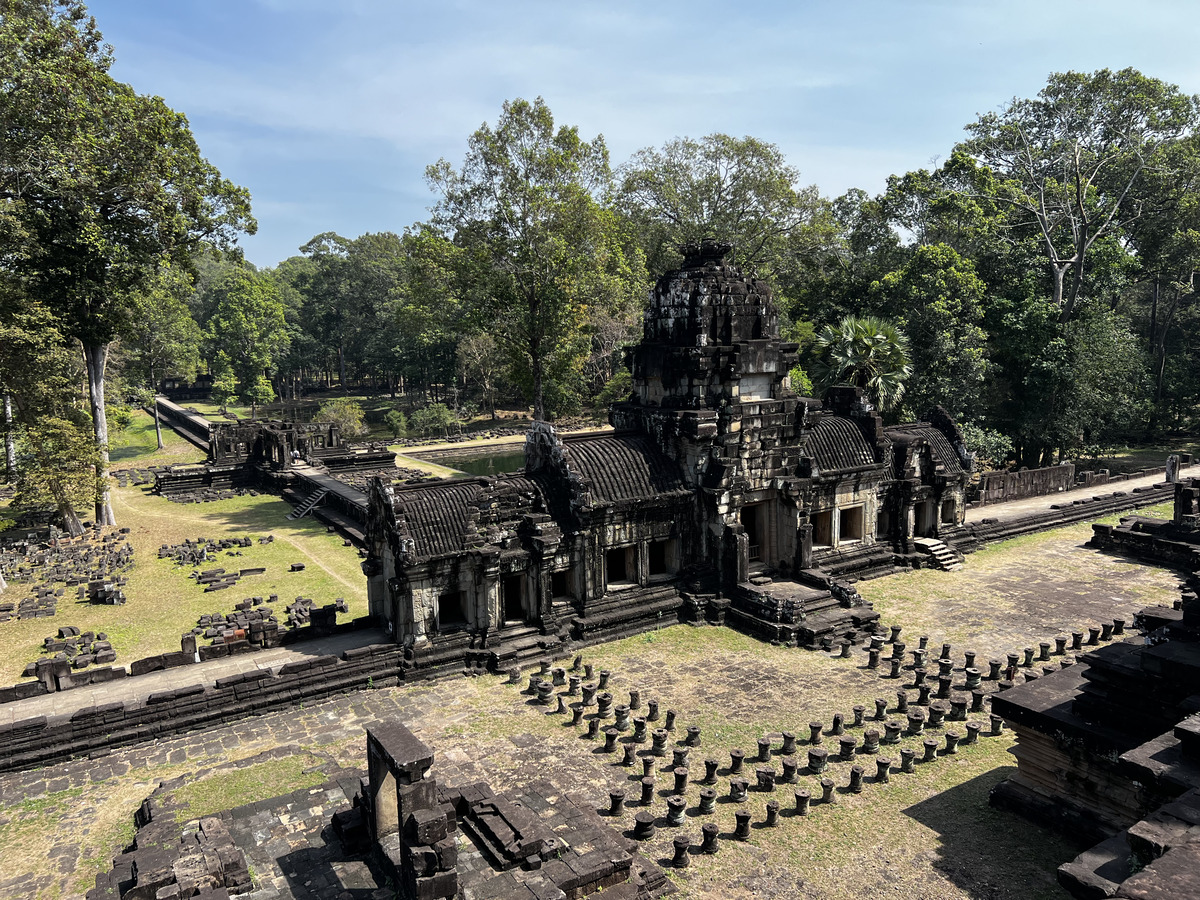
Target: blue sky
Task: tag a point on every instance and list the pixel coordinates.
(328, 112)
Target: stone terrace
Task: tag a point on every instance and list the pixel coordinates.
(928, 834)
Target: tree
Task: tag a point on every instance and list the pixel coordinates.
(55, 461)
(936, 301)
(434, 417)
(106, 185)
(524, 207)
(1070, 165)
(480, 364)
(347, 414)
(866, 352)
(163, 338)
(247, 333)
(739, 190)
(396, 422)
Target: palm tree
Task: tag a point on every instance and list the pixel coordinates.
(867, 352)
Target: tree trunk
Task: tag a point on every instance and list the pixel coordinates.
(1059, 275)
(342, 367)
(96, 358)
(10, 442)
(157, 423)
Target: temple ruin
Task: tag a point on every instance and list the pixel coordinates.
(721, 496)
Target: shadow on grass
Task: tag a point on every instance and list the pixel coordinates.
(987, 851)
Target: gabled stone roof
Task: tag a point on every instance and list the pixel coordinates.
(437, 515)
(622, 467)
(837, 445)
(942, 450)
(462, 514)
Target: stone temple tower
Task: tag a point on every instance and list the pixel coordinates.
(711, 388)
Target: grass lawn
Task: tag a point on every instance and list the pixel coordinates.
(163, 602)
(137, 445)
(1126, 459)
(1048, 577)
(221, 789)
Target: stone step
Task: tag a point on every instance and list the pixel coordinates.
(1097, 873)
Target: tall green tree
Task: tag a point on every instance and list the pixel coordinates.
(56, 461)
(106, 185)
(247, 334)
(936, 300)
(1069, 165)
(740, 190)
(525, 207)
(163, 339)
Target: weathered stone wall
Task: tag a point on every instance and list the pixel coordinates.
(38, 741)
(1003, 486)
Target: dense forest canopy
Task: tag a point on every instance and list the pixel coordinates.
(1039, 284)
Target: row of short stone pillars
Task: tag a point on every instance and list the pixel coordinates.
(766, 778)
(999, 670)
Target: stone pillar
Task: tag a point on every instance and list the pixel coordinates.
(643, 826)
(856, 779)
(827, 795)
(741, 831)
(681, 779)
(817, 759)
(883, 767)
(616, 802)
(658, 739)
(803, 798)
(790, 767)
(772, 814)
(622, 717)
(610, 739)
(804, 546)
(682, 844)
(676, 808)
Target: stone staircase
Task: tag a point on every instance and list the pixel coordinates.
(519, 645)
(945, 558)
(308, 504)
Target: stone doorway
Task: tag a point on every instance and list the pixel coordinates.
(925, 519)
(753, 521)
(512, 591)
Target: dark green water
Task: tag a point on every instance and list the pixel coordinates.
(493, 464)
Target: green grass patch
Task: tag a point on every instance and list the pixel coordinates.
(163, 602)
(230, 788)
(137, 445)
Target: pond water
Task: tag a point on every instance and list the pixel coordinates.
(490, 464)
